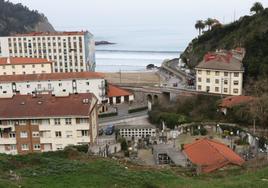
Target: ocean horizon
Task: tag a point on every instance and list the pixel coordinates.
(136, 47)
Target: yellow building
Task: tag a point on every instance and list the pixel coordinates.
(18, 66)
(220, 73)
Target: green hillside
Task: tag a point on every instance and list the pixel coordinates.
(250, 32)
(71, 168)
(16, 18)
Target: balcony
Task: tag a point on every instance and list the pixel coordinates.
(8, 141)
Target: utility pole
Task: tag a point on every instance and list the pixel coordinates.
(254, 126)
(120, 76)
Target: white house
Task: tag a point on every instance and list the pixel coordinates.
(220, 73)
(16, 65)
(58, 84)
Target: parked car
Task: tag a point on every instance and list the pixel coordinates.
(109, 130)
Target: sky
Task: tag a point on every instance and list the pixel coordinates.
(103, 17)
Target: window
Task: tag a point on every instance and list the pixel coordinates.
(208, 88)
(34, 122)
(57, 121)
(23, 134)
(58, 134)
(59, 146)
(39, 86)
(217, 81)
(28, 86)
(35, 134)
(225, 82)
(33, 66)
(60, 84)
(24, 147)
(216, 89)
(217, 73)
(36, 147)
(236, 82)
(199, 72)
(69, 134)
(13, 147)
(236, 74)
(12, 135)
(208, 72)
(235, 91)
(225, 73)
(208, 80)
(68, 121)
(84, 132)
(225, 90)
(199, 79)
(87, 83)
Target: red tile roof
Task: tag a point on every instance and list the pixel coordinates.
(51, 33)
(22, 60)
(211, 155)
(232, 101)
(50, 76)
(27, 106)
(115, 91)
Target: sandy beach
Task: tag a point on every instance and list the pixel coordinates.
(133, 78)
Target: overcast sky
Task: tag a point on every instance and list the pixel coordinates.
(96, 14)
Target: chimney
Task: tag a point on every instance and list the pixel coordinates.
(8, 60)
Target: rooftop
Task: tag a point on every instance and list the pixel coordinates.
(22, 60)
(211, 155)
(40, 106)
(115, 91)
(221, 61)
(51, 33)
(50, 76)
(229, 102)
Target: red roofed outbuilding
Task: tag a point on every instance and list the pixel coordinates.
(230, 102)
(118, 95)
(210, 155)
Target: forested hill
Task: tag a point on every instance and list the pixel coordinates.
(16, 18)
(250, 32)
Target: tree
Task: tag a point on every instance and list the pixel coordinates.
(199, 26)
(257, 8)
(209, 22)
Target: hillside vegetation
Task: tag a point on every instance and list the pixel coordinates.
(250, 32)
(16, 18)
(70, 168)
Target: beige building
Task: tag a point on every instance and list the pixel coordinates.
(42, 123)
(69, 51)
(19, 66)
(220, 73)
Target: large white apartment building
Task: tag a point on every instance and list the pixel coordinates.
(220, 73)
(69, 51)
(18, 65)
(58, 84)
(47, 123)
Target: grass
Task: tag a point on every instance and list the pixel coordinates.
(71, 169)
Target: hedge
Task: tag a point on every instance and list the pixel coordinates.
(138, 109)
(108, 115)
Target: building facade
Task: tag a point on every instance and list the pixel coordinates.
(59, 84)
(220, 73)
(46, 123)
(69, 51)
(18, 66)
(136, 131)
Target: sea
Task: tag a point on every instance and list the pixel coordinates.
(136, 47)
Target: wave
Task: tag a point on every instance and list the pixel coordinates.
(138, 51)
